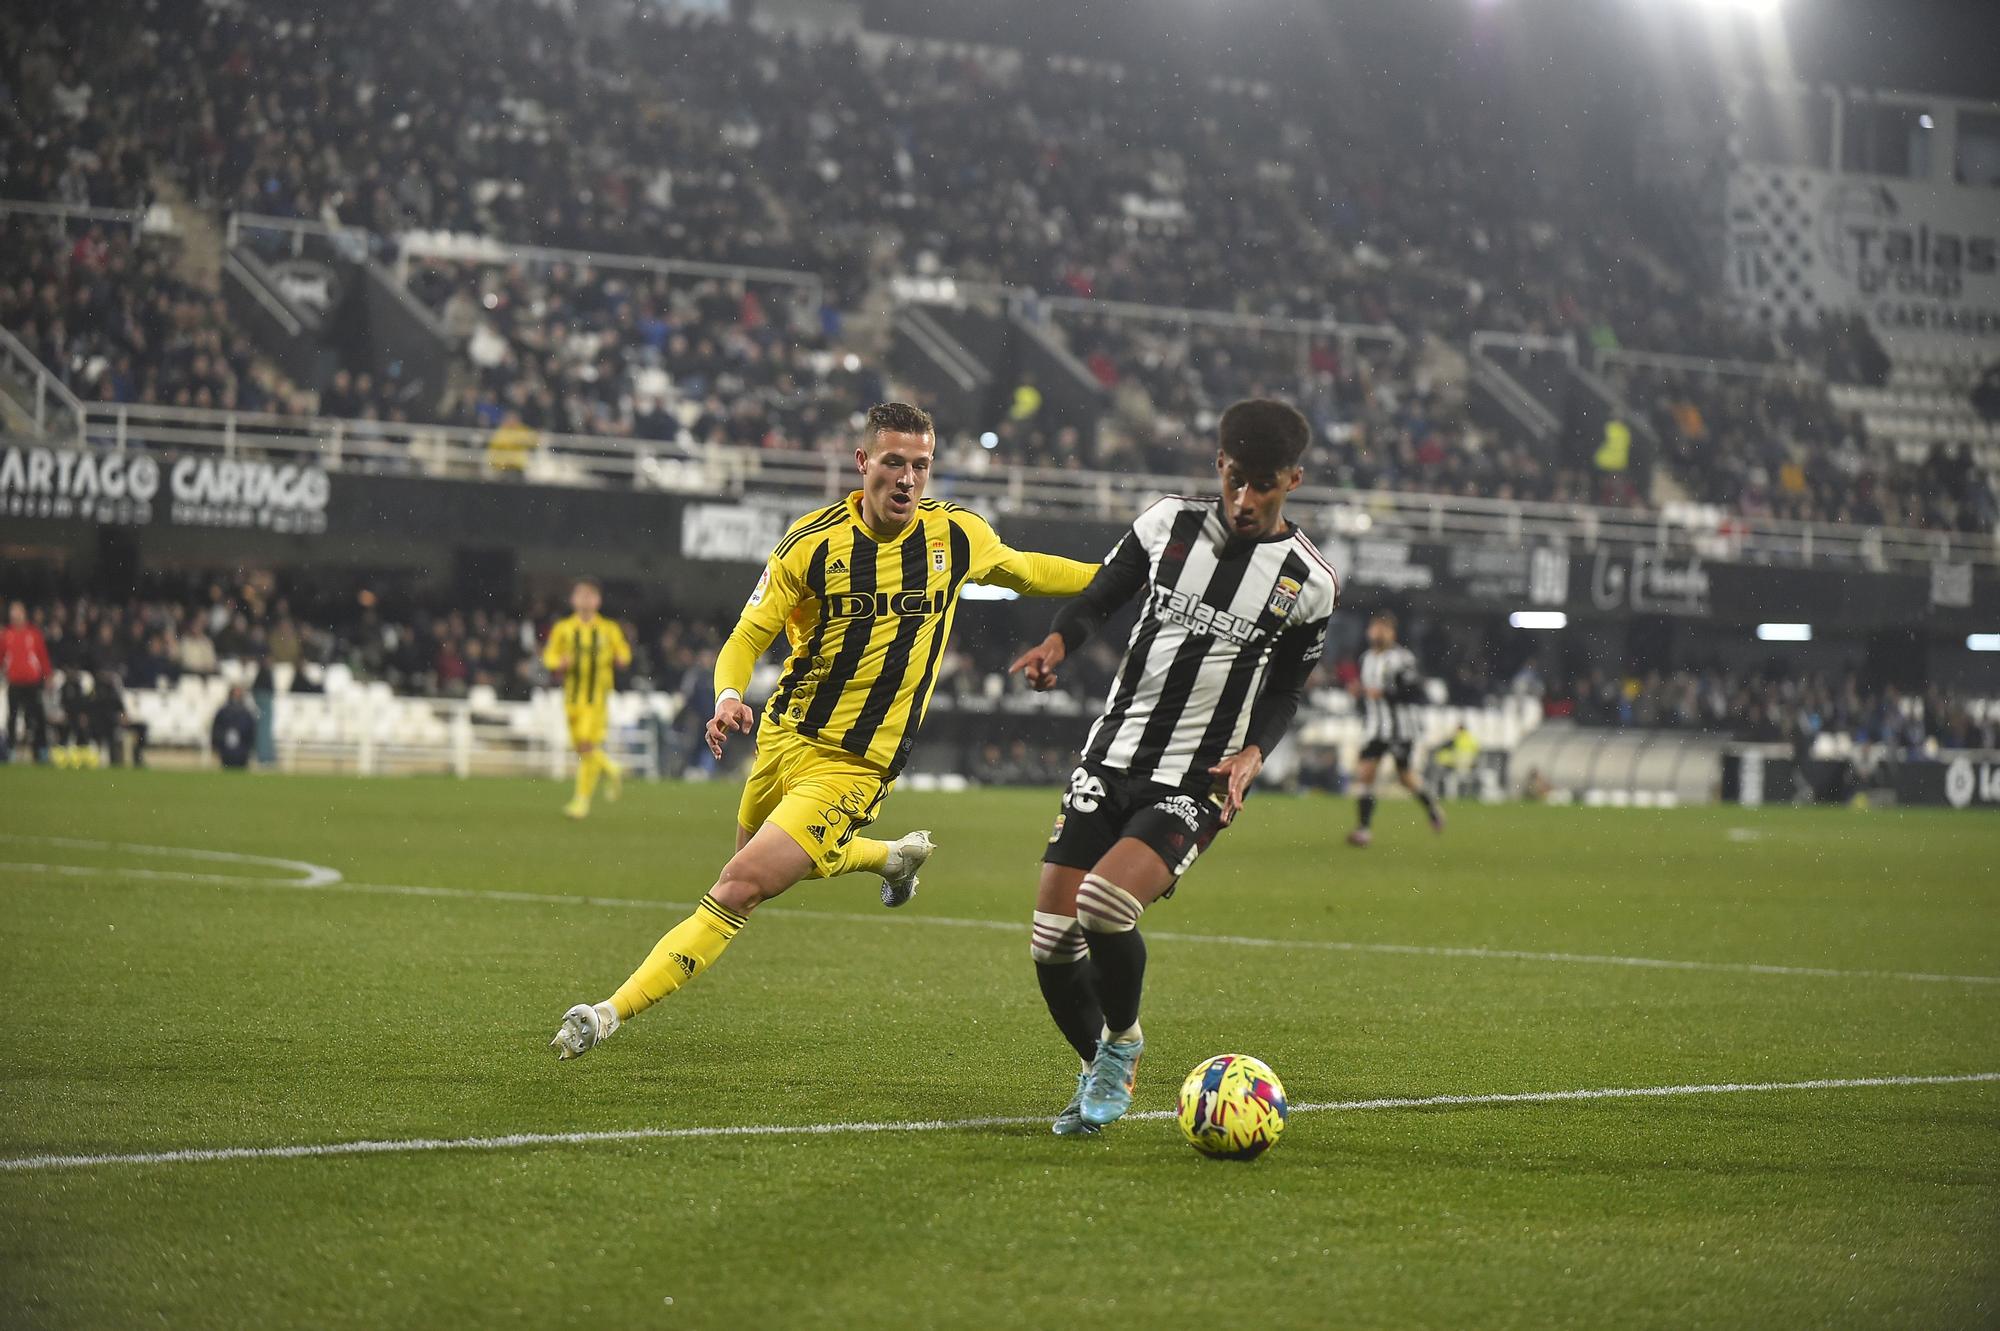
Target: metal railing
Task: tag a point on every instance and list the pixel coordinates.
(1604, 357)
(154, 221)
(1515, 397)
(480, 249)
(54, 409)
(714, 470)
(1331, 329)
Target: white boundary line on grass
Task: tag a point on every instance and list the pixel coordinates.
(412, 1145)
(320, 878)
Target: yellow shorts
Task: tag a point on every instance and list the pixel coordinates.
(588, 722)
(821, 796)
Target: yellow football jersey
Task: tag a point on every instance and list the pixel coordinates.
(590, 653)
(867, 620)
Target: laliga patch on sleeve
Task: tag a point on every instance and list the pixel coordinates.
(757, 596)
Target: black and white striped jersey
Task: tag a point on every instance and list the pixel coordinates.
(1227, 634)
(1393, 716)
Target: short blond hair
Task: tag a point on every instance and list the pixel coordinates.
(896, 418)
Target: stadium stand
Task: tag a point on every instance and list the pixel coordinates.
(700, 140)
(583, 351)
(1781, 445)
(107, 313)
(347, 662)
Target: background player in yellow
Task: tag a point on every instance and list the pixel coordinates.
(864, 591)
(586, 650)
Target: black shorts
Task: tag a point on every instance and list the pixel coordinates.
(1399, 749)
(1104, 805)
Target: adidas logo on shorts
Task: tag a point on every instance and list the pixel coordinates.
(818, 832)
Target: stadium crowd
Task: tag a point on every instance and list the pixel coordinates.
(1777, 447)
(1381, 418)
(575, 350)
(1779, 706)
(423, 646)
(641, 130)
(107, 313)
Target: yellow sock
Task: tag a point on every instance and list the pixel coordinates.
(688, 949)
(863, 854)
(586, 775)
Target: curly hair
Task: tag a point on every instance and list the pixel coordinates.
(1263, 435)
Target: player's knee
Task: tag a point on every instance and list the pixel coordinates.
(742, 889)
(1057, 940)
(738, 894)
(1103, 907)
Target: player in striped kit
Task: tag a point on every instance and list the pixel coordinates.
(865, 591)
(1390, 690)
(1234, 614)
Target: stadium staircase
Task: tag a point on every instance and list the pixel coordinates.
(198, 260)
(34, 404)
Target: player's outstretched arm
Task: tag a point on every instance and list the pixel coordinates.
(777, 593)
(1034, 574)
(997, 564)
(1292, 659)
(1113, 583)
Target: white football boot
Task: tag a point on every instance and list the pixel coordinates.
(899, 875)
(584, 1027)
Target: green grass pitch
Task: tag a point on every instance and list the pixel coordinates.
(160, 1003)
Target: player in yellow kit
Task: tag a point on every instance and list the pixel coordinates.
(586, 649)
(864, 591)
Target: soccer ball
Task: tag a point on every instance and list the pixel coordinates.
(1232, 1107)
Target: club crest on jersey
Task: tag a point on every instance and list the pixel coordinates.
(940, 560)
(1284, 598)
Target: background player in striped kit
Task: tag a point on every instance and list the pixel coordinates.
(587, 650)
(1391, 690)
(1235, 609)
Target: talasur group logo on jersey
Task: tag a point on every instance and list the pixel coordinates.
(1863, 237)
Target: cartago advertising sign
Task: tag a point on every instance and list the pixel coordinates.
(1920, 262)
(135, 489)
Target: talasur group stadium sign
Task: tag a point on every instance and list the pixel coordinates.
(134, 489)
(1919, 261)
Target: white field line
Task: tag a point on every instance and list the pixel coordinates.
(309, 875)
(320, 878)
(413, 1145)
